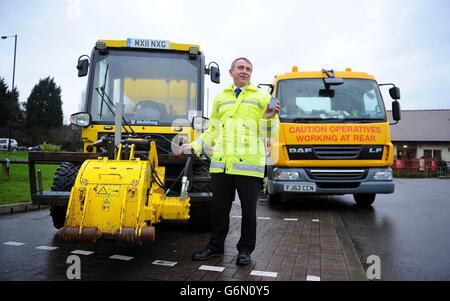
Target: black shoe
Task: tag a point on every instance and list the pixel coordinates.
(243, 258)
(206, 254)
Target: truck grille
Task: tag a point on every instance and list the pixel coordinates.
(337, 174)
(337, 152)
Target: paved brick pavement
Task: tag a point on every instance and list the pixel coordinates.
(294, 243)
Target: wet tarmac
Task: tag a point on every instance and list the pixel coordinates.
(324, 237)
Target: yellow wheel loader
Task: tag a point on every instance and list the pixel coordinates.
(144, 99)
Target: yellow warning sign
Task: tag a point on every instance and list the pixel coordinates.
(102, 191)
(106, 204)
(108, 190)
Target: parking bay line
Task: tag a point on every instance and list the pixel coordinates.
(264, 273)
(211, 268)
(14, 243)
(164, 263)
(47, 248)
(121, 257)
(82, 252)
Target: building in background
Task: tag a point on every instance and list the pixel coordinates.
(422, 134)
(421, 143)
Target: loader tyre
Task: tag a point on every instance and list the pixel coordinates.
(64, 179)
(203, 171)
(200, 210)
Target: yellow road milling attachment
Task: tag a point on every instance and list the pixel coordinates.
(120, 199)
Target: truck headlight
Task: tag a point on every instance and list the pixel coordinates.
(81, 119)
(285, 175)
(383, 176)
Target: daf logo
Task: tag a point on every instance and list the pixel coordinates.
(300, 150)
(375, 150)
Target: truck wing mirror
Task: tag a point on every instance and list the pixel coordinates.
(83, 66)
(215, 74)
(269, 89)
(396, 115)
(395, 93)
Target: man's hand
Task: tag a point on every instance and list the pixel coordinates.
(185, 149)
(270, 113)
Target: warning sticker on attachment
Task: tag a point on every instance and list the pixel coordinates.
(108, 190)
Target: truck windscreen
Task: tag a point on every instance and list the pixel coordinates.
(309, 100)
(156, 88)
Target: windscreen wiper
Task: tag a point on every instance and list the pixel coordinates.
(124, 122)
(317, 120)
(365, 120)
(103, 90)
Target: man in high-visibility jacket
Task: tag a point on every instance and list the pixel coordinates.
(240, 120)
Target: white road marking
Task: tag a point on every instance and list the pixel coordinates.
(121, 257)
(315, 220)
(211, 268)
(312, 278)
(236, 216)
(264, 273)
(291, 219)
(47, 248)
(82, 252)
(164, 263)
(14, 243)
(262, 217)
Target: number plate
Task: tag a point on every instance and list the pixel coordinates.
(300, 188)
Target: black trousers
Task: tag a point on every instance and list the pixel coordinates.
(225, 187)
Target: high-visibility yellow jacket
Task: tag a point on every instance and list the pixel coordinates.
(236, 132)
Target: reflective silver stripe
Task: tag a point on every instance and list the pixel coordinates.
(253, 102)
(220, 165)
(225, 103)
(248, 167)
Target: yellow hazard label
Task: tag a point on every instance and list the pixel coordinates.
(106, 204)
(108, 190)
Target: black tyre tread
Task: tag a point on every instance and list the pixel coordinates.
(364, 200)
(201, 170)
(64, 179)
(200, 211)
(274, 199)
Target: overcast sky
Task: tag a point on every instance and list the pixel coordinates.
(406, 42)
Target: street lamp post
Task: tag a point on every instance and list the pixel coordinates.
(12, 88)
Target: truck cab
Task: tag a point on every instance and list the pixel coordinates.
(334, 136)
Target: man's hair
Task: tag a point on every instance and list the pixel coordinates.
(241, 58)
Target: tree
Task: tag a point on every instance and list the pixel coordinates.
(44, 105)
(4, 103)
(9, 105)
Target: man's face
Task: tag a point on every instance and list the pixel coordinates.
(241, 73)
